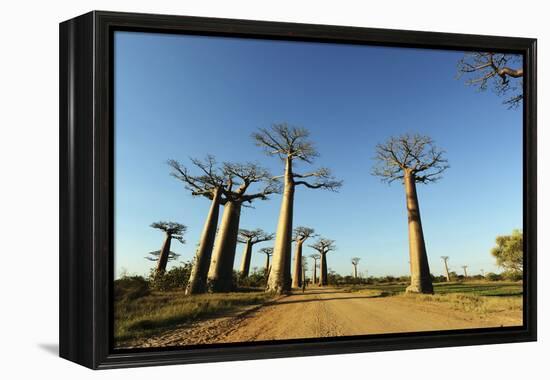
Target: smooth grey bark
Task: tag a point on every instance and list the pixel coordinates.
(323, 278)
(279, 276)
(164, 254)
(314, 279)
(297, 277)
(447, 275)
(247, 255)
(355, 271)
(420, 269)
(199, 274)
(220, 275)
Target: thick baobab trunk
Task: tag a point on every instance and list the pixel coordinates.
(266, 265)
(199, 273)
(220, 275)
(279, 276)
(447, 275)
(297, 277)
(247, 254)
(323, 278)
(420, 270)
(314, 279)
(164, 253)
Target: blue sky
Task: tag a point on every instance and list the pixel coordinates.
(187, 96)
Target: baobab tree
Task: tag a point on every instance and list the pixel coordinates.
(315, 258)
(355, 262)
(445, 260)
(240, 179)
(211, 184)
(249, 238)
(267, 251)
(412, 159)
(323, 246)
(465, 267)
(501, 71)
(172, 230)
(156, 254)
(303, 274)
(301, 234)
(290, 144)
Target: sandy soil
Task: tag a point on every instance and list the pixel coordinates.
(325, 313)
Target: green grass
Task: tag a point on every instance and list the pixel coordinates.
(480, 297)
(480, 288)
(472, 303)
(157, 312)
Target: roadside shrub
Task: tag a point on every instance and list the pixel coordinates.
(129, 288)
(493, 276)
(255, 279)
(438, 278)
(175, 278)
(513, 275)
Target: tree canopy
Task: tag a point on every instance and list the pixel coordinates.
(241, 176)
(315, 256)
(254, 236)
(323, 245)
(155, 256)
(267, 250)
(175, 230)
(233, 180)
(500, 71)
(292, 143)
(211, 176)
(415, 154)
(509, 251)
(302, 233)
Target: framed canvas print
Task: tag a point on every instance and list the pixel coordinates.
(236, 189)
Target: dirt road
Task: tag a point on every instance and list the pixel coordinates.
(325, 313)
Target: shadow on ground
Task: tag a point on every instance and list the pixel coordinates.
(348, 297)
(52, 348)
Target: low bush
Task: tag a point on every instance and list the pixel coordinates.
(175, 278)
(129, 288)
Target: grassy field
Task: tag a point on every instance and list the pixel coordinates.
(156, 312)
(480, 297)
(479, 288)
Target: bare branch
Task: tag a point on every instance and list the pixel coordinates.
(484, 69)
(303, 233)
(155, 256)
(323, 245)
(243, 176)
(413, 153)
(204, 184)
(267, 251)
(286, 141)
(254, 236)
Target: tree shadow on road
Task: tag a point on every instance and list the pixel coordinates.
(307, 292)
(349, 296)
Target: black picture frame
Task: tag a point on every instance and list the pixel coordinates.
(86, 188)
